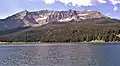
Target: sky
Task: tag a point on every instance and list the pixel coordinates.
(109, 8)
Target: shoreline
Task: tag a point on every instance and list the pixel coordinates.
(57, 43)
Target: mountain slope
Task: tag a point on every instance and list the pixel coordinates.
(68, 32)
(38, 18)
(59, 26)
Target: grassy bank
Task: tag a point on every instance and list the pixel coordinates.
(21, 42)
(97, 41)
(93, 41)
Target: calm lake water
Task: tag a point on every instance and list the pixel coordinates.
(60, 55)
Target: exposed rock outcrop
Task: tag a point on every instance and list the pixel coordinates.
(38, 18)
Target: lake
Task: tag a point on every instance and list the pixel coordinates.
(74, 54)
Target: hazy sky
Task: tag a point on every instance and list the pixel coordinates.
(108, 7)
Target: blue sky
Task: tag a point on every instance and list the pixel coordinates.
(108, 7)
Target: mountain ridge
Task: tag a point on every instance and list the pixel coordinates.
(38, 18)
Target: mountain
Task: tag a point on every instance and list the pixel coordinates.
(59, 26)
(37, 18)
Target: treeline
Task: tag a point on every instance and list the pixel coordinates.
(66, 32)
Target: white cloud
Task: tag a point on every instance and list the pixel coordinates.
(82, 2)
(75, 2)
(114, 2)
(85, 2)
(101, 1)
(49, 1)
(115, 8)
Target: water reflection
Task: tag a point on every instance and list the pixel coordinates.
(59, 55)
(107, 55)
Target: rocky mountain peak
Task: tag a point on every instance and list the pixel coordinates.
(50, 16)
(21, 14)
(38, 18)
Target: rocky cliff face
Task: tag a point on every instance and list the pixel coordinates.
(38, 18)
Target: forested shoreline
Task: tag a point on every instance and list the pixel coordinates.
(66, 32)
